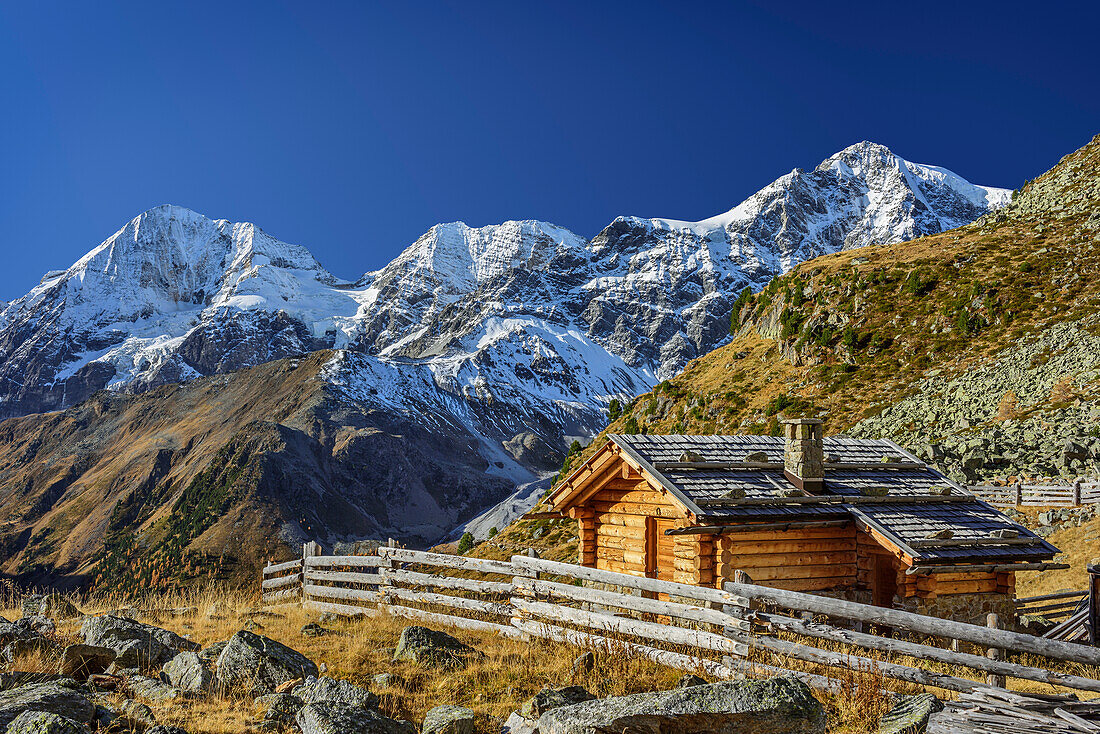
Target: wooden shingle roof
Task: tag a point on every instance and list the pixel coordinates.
(706, 474)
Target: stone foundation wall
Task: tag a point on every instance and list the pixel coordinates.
(971, 608)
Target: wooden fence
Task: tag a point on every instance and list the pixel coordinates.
(1039, 495)
(740, 630)
(1054, 607)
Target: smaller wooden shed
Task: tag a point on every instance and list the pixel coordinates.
(855, 518)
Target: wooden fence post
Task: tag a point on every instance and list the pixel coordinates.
(1093, 623)
(387, 564)
(309, 549)
(1077, 492)
(1019, 493)
(994, 653)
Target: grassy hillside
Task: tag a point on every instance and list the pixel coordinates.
(210, 479)
(845, 336)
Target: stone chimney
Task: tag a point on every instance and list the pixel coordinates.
(804, 454)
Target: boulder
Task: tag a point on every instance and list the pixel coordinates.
(209, 655)
(27, 646)
(328, 717)
(910, 714)
(313, 690)
(165, 730)
(776, 706)
(137, 714)
(23, 629)
(42, 722)
(552, 698)
(448, 719)
(429, 647)
(280, 708)
(81, 661)
(313, 629)
(388, 680)
(259, 664)
(187, 671)
(152, 689)
(51, 606)
(516, 724)
(135, 644)
(60, 697)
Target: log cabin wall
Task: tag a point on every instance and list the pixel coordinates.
(810, 559)
(625, 533)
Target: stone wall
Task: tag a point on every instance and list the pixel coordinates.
(971, 608)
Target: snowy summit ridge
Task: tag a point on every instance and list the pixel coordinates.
(518, 332)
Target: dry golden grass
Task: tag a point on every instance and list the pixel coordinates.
(1079, 545)
(509, 673)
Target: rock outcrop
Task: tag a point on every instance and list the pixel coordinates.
(328, 717)
(776, 706)
(258, 665)
(136, 645)
(432, 648)
(62, 698)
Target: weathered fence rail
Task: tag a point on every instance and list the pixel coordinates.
(1076, 494)
(1055, 607)
(738, 630)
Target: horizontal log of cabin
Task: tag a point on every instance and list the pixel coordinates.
(812, 584)
(622, 531)
(637, 508)
(793, 546)
(764, 574)
(611, 518)
(779, 559)
(801, 534)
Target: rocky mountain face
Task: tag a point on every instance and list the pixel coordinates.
(977, 348)
(536, 325)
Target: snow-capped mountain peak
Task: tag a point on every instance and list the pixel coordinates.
(522, 328)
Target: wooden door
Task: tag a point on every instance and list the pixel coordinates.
(666, 554)
(884, 584)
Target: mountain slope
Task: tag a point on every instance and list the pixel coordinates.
(978, 348)
(153, 488)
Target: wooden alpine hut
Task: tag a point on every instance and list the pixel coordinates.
(860, 519)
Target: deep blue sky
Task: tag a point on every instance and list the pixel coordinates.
(353, 127)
